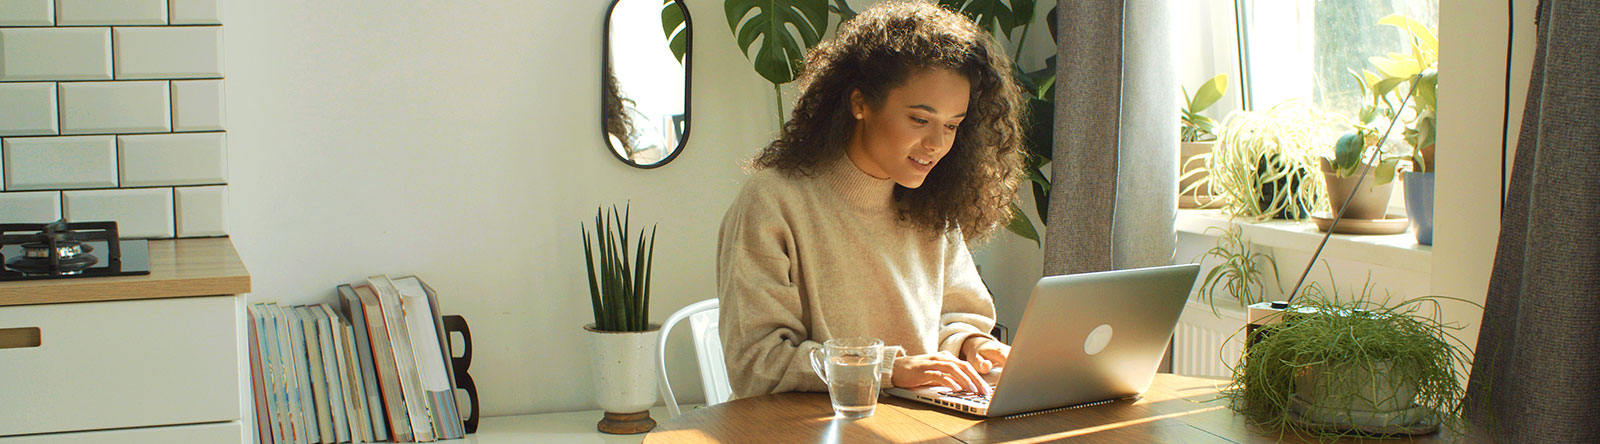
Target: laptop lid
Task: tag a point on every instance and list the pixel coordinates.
(1092, 337)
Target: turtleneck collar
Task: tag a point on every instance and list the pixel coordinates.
(855, 186)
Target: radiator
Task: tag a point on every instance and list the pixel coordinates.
(1206, 344)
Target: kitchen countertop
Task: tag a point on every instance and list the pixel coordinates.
(178, 268)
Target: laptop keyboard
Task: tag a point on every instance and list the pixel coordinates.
(970, 396)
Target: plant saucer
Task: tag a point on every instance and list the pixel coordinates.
(1416, 420)
(1389, 224)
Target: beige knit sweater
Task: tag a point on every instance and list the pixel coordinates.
(805, 259)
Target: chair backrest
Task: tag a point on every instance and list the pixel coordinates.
(703, 332)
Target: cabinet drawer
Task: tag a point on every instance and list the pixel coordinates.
(106, 365)
(221, 433)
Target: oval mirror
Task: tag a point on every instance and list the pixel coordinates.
(644, 85)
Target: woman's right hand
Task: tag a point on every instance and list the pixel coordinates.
(940, 369)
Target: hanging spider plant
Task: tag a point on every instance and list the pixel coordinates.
(620, 291)
(1239, 274)
(1265, 163)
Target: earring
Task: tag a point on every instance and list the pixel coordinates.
(858, 116)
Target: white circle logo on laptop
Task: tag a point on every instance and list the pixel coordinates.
(1097, 339)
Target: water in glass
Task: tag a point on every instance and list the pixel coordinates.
(853, 385)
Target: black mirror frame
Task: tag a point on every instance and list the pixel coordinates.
(688, 81)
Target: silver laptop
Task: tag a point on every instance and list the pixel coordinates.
(1085, 338)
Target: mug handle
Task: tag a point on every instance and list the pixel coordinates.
(816, 365)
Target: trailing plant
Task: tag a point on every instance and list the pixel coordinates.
(1196, 127)
(619, 287)
(1264, 164)
(1418, 70)
(1239, 273)
(1352, 345)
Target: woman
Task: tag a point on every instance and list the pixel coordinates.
(905, 140)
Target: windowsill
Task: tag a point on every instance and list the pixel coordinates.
(1399, 251)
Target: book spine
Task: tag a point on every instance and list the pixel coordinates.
(330, 372)
(258, 377)
(319, 381)
(360, 416)
(405, 360)
(430, 358)
(353, 309)
(454, 422)
(307, 423)
(387, 371)
(346, 404)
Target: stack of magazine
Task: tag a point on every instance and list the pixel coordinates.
(374, 368)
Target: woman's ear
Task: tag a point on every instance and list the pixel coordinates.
(858, 104)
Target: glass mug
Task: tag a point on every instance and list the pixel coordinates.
(850, 368)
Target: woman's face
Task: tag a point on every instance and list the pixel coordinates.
(914, 127)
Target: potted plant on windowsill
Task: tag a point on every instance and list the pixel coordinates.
(1264, 164)
(1355, 368)
(1197, 137)
(624, 339)
(1418, 72)
(1361, 173)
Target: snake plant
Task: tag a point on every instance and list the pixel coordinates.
(619, 288)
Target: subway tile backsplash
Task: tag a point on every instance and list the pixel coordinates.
(113, 110)
(110, 12)
(27, 13)
(116, 107)
(28, 109)
(55, 163)
(139, 212)
(173, 159)
(32, 207)
(55, 54)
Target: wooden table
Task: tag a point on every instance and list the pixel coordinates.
(1176, 409)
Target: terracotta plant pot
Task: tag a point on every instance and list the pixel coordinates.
(625, 378)
(1200, 197)
(1371, 200)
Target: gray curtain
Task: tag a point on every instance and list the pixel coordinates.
(1536, 376)
(1115, 168)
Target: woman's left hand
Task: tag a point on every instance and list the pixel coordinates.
(984, 354)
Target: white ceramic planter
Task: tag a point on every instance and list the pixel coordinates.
(624, 369)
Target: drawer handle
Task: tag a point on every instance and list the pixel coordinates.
(24, 337)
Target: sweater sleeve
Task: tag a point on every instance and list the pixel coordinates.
(967, 308)
(765, 341)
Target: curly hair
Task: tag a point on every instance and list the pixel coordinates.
(974, 186)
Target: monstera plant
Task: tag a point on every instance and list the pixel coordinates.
(775, 34)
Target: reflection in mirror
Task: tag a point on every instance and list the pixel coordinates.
(644, 91)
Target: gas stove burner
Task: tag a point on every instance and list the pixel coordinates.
(72, 258)
(59, 248)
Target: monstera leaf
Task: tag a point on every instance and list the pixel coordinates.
(785, 28)
(997, 16)
(673, 25)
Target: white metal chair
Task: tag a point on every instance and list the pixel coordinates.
(708, 348)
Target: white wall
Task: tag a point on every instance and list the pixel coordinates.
(1472, 56)
(460, 141)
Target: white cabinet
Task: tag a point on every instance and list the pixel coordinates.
(105, 365)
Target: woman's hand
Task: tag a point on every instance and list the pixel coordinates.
(984, 354)
(940, 369)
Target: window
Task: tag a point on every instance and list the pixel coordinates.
(1276, 50)
(1306, 48)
